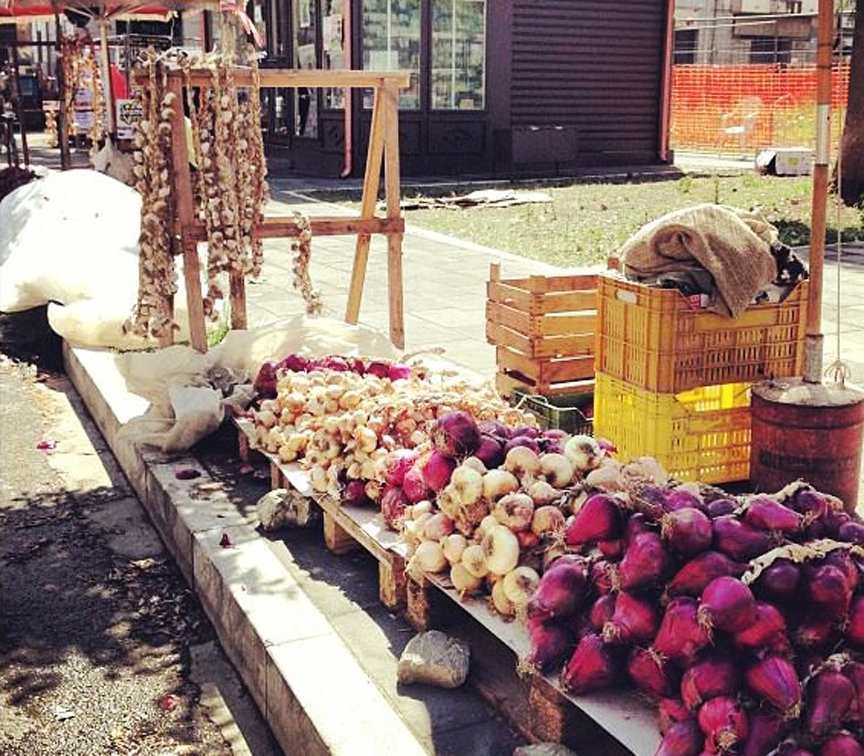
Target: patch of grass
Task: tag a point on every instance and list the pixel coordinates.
(586, 223)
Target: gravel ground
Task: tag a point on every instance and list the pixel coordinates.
(100, 635)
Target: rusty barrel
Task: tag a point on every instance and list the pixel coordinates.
(807, 430)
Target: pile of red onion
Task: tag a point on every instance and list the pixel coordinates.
(742, 618)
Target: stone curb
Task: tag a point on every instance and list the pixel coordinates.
(307, 684)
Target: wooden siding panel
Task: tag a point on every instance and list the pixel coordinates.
(594, 66)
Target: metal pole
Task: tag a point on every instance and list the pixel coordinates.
(63, 115)
(19, 106)
(106, 74)
(814, 338)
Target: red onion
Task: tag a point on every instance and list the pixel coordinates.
(529, 442)
(723, 722)
(855, 672)
(829, 697)
(682, 739)
(645, 562)
(602, 576)
(652, 500)
(492, 427)
(738, 540)
(727, 604)
(531, 431)
(598, 519)
(490, 452)
(633, 621)
(808, 501)
(591, 667)
(399, 462)
(712, 676)
(680, 637)
(670, 711)
(354, 494)
(561, 590)
(649, 672)
(843, 559)
(398, 372)
(778, 582)
(393, 503)
(828, 588)
(331, 362)
(814, 632)
(551, 643)
(414, 484)
(855, 625)
(456, 434)
(602, 610)
(765, 730)
(265, 380)
(295, 362)
(681, 498)
(774, 680)
(611, 550)
(768, 630)
(692, 578)
(852, 532)
(437, 470)
(378, 368)
(637, 523)
(766, 513)
(720, 507)
(687, 530)
(841, 744)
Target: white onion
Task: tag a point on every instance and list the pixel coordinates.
(428, 557)
(514, 510)
(489, 521)
(556, 469)
(519, 585)
(607, 477)
(475, 464)
(466, 485)
(499, 482)
(547, 520)
(502, 549)
(503, 605)
(438, 526)
(474, 560)
(453, 546)
(463, 581)
(420, 508)
(542, 493)
(522, 462)
(583, 452)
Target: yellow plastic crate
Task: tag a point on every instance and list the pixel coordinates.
(653, 338)
(699, 435)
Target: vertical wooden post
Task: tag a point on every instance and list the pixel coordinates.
(393, 198)
(238, 300)
(374, 154)
(185, 217)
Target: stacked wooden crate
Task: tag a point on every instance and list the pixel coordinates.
(672, 381)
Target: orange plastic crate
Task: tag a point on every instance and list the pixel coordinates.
(653, 339)
(700, 435)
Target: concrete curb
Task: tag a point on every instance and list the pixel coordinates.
(309, 687)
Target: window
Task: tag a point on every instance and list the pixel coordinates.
(458, 54)
(391, 42)
(333, 47)
(305, 99)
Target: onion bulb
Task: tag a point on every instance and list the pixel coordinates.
(542, 493)
(519, 585)
(466, 485)
(428, 557)
(503, 605)
(474, 560)
(583, 452)
(556, 469)
(453, 546)
(522, 462)
(514, 510)
(463, 581)
(501, 548)
(547, 520)
(438, 526)
(497, 483)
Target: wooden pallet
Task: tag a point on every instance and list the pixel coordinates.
(345, 527)
(611, 723)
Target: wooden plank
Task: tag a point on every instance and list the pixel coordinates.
(506, 383)
(539, 326)
(393, 201)
(622, 714)
(292, 77)
(280, 227)
(550, 346)
(552, 370)
(182, 186)
(237, 299)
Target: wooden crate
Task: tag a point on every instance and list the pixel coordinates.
(345, 527)
(612, 723)
(543, 329)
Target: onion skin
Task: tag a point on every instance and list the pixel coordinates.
(649, 672)
(855, 625)
(738, 540)
(727, 604)
(680, 637)
(723, 722)
(598, 519)
(841, 744)
(774, 680)
(683, 738)
(633, 621)
(697, 572)
(829, 696)
(591, 668)
(687, 530)
(645, 562)
(551, 643)
(709, 677)
(602, 576)
(765, 513)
